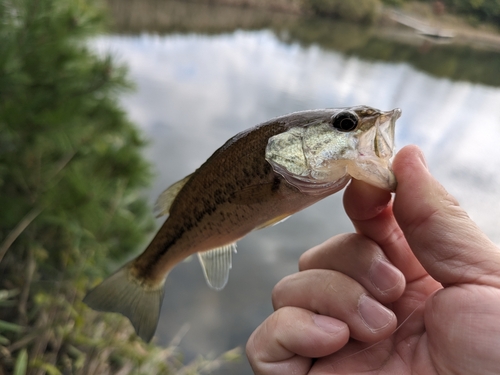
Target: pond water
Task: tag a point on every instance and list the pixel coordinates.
(197, 89)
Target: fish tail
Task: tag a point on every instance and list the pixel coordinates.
(126, 294)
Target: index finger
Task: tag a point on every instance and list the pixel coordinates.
(370, 210)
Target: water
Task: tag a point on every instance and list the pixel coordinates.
(195, 90)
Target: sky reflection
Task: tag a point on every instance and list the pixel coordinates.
(195, 91)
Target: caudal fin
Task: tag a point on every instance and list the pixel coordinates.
(121, 293)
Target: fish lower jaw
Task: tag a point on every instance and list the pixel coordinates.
(311, 186)
(373, 172)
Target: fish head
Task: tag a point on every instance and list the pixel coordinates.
(328, 147)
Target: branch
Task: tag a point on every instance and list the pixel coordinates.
(18, 229)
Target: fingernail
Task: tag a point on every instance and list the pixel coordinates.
(384, 276)
(327, 324)
(422, 159)
(374, 315)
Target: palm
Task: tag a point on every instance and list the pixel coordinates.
(421, 344)
(394, 355)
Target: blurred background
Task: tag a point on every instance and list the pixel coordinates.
(206, 70)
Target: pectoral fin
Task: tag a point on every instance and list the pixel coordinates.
(216, 264)
(164, 201)
(274, 221)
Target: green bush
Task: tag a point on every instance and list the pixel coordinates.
(71, 176)
(357, 11)
(394, 2)
(482, 10)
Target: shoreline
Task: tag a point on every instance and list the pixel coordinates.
(485, 36)
(386, 40)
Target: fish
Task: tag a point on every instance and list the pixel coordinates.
(257, 179)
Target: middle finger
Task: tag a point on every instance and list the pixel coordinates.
(335, 294)
(361, 259)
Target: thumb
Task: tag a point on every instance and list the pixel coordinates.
(442, 236)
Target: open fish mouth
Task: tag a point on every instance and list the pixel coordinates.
(375, 150)
(318, 157)
(384, 137)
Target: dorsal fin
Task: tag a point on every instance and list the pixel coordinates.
(165, 199)
(216, 264)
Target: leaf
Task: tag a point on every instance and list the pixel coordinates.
(232, 355)
(51, 369)
(21, 363)
(7, 326)
(4, 340)
(47, 367)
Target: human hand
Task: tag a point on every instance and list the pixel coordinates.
(339, 314)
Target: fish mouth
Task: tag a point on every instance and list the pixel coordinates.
(384, 136)
(375, 150)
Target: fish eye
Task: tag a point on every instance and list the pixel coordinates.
(345, 121)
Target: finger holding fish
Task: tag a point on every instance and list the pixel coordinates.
(368, 320)
(361, 259)
(370, 210)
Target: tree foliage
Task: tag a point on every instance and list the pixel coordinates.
(478, 10)
(357, 11)
(474, 10)
(71, 174)
(66, 148)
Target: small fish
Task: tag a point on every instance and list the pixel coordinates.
(256, 179)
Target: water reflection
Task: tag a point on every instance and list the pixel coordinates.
(465, 58)
(196, 91)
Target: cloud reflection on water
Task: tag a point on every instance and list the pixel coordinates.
(194, 92)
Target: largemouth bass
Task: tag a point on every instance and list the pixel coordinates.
(256, 179)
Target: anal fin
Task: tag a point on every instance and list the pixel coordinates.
(216, 264)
